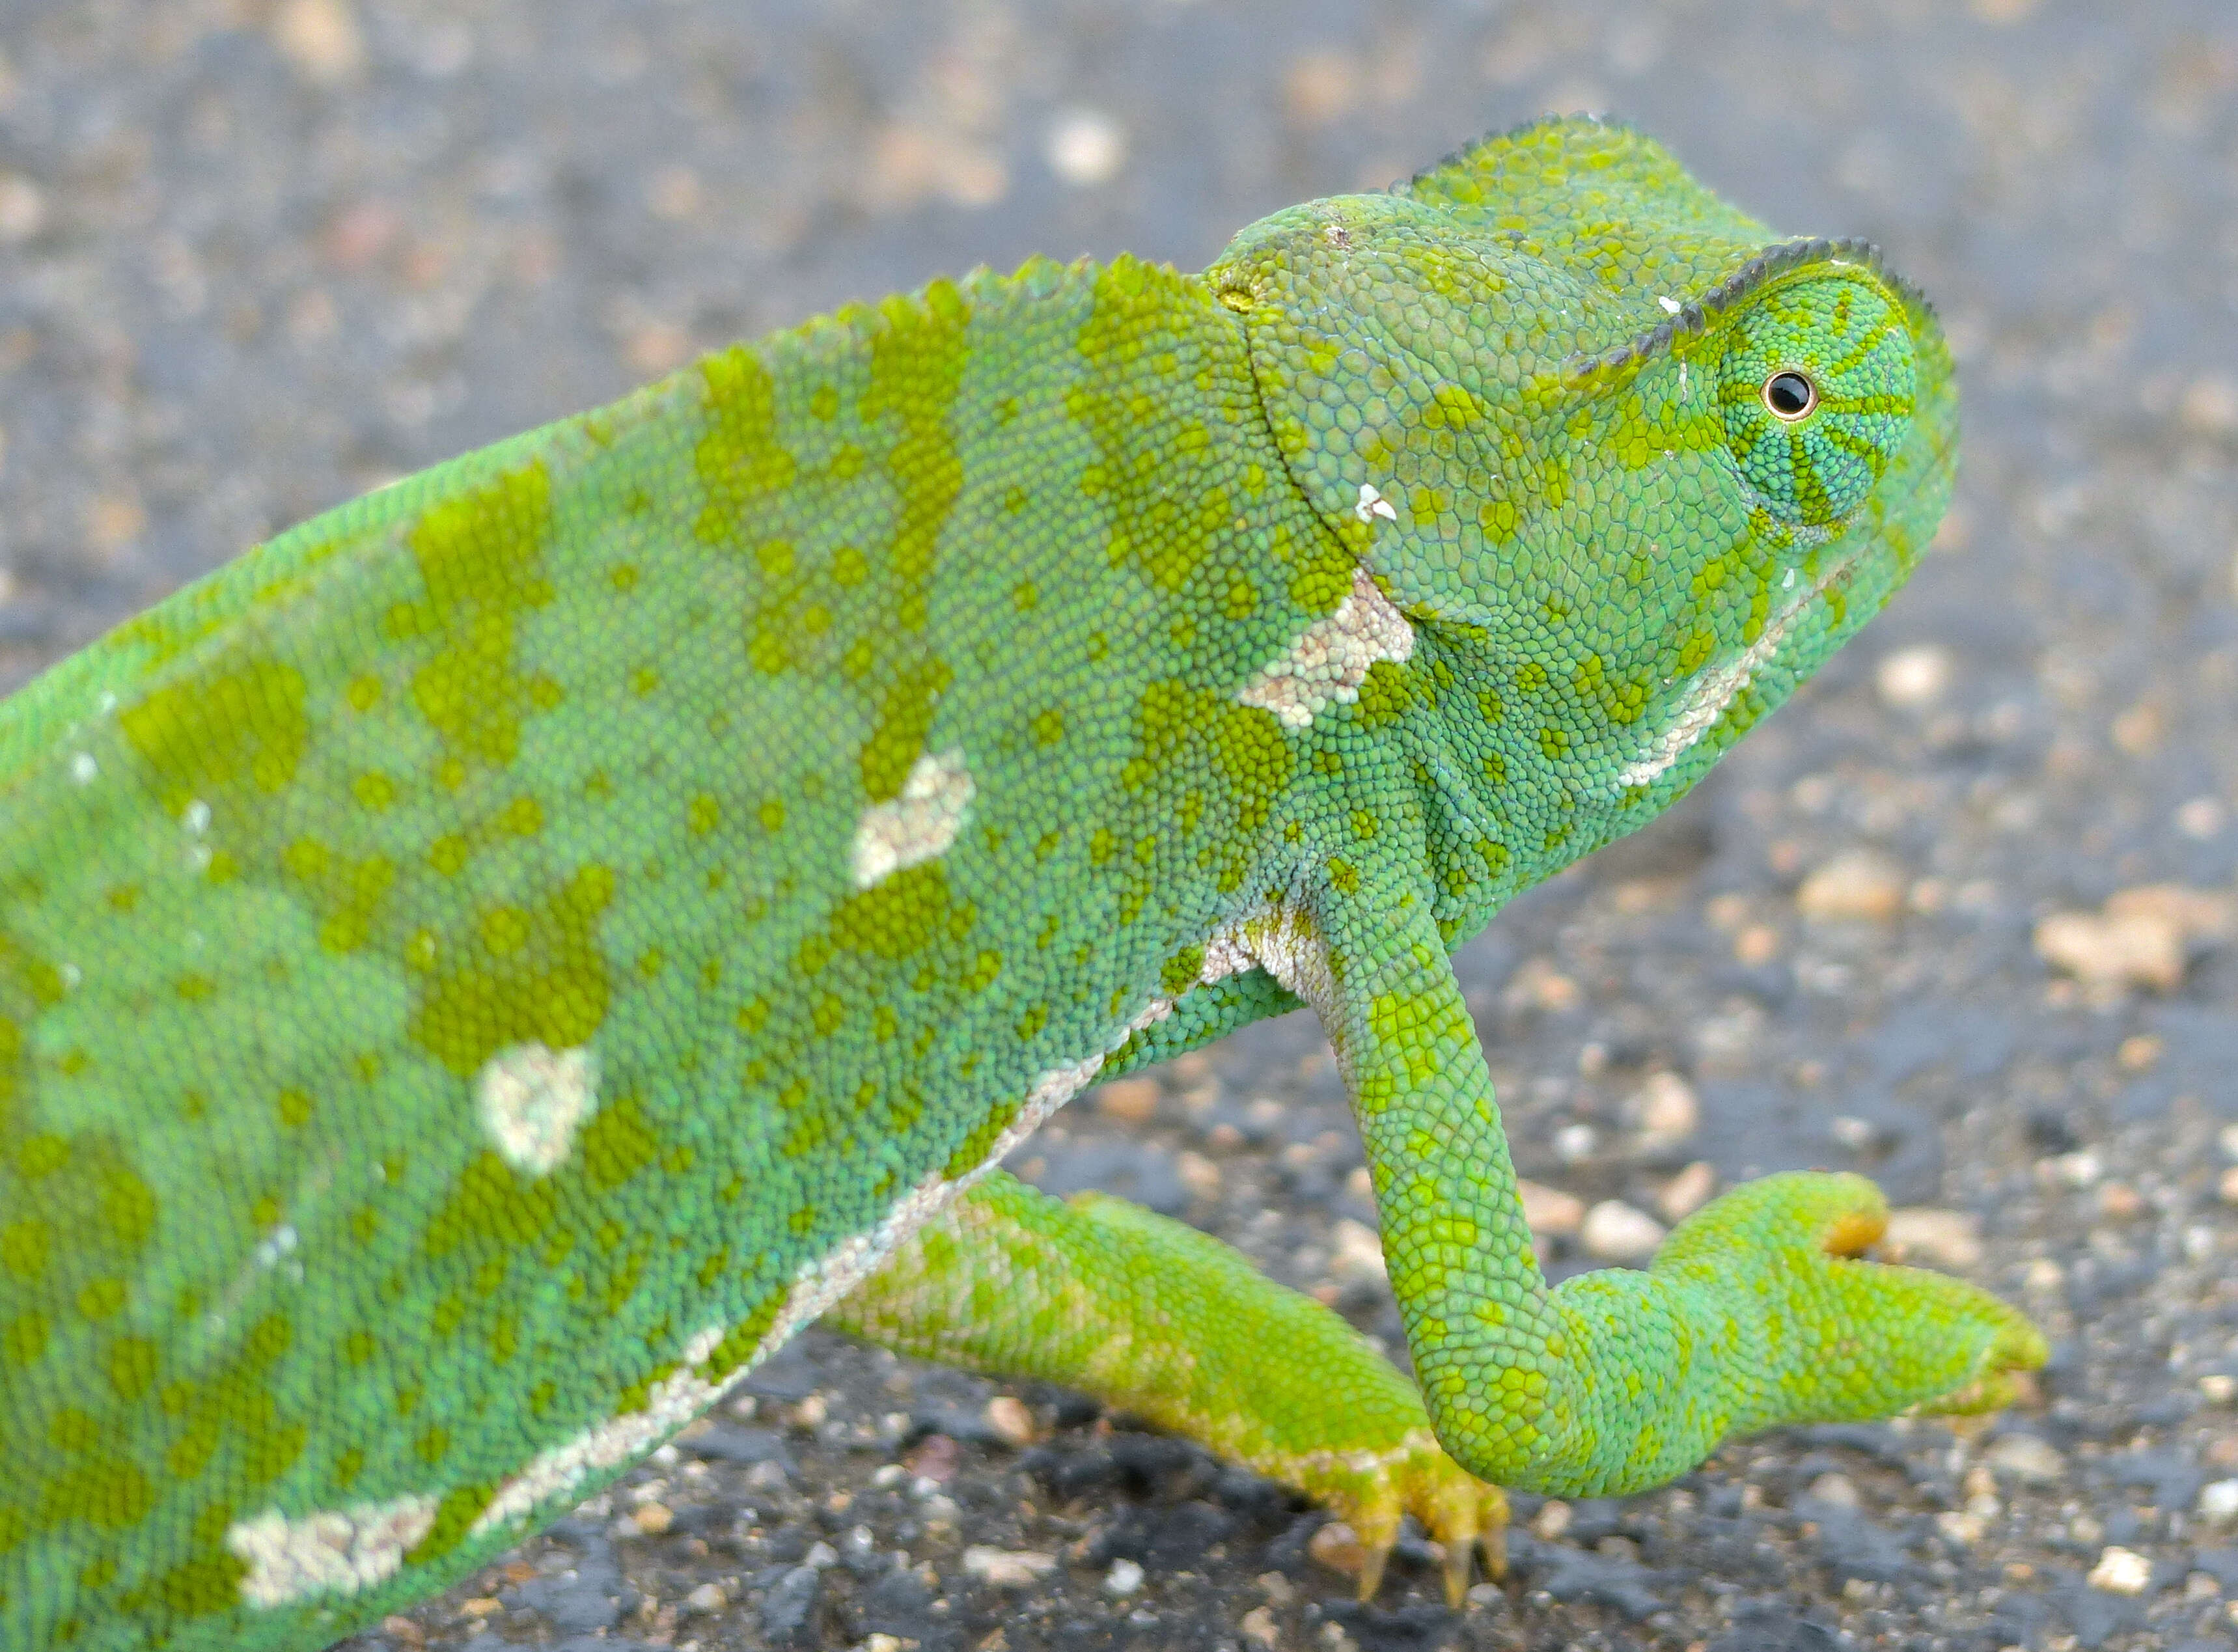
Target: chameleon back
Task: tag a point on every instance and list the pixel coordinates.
(467, 967)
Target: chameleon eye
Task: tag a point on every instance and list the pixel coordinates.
(1790, 396)
(1816, 388)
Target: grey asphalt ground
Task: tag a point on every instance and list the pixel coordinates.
(258, 255)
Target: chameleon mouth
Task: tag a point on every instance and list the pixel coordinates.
(1719, 685)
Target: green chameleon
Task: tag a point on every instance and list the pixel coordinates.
(482, 970)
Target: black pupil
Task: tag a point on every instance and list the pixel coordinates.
(1788, 394)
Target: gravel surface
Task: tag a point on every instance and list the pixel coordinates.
(1961, 917)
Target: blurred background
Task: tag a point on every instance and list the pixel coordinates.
(1962, 916)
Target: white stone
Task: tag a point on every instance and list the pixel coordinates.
(1006, 1567)
(1914, 678)
(1124, 1577)
(1086, 147)
(1951, 1239)
(2121, 1571)
(1614, 1232)
(1549, 1211)
(531, 1099)
(917, 825)
(330, 1551)
(1687, 1192)
(1332, 657)
(1666, 1108)
(2218, 1501)
(2026, 1458)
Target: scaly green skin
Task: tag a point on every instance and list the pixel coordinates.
(484, 968)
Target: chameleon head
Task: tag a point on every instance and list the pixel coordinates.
(1631, 465)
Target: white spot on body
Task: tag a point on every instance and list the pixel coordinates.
(819, 1283)
(671, 1403)
(197, 816)
(327, 1551)
(1283, 941)
(1671, 305)
(532, 1098)
(83, 767)
(917, 825)
(277, 1244)
(1715, 689)
(1330, 658)
(71, 976)
(1371, 504)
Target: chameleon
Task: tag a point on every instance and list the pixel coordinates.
(484, 968)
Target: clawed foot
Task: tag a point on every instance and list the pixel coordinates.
(1372, 1491)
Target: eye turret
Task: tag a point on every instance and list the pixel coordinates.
(1815, 387)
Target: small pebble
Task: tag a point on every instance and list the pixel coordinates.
(1359, 1251)
(1913, 679)
(2227, 1189)
(1130, 1101)
(1085, 147)
(1574, 1143)
(2082, 1169)
(2120, 1202)
(1836, 1488)
(1855, 1133)
(1011, 1422)
(1337, 1546)
(2141, 937)
(1260, 1628)
(935, 1458)
(1949, 1238)
(320, 39)
(811, 1413)
(1007, 1568)
(2228, 1141)
(1667, 1108)
(1963, 1528)
(2026, 1458)
(23, 209)
(1198, 1173)
(1554, 1519)
(706, 1600)
(1859, 885)
(1614, 1232)
(1124, 1577)
(2121, 1571)
(2218, 1501)
(1687, 1192)
(1549, 1210)
(2140, 1054)
(652, 1518)
(2218, 1388)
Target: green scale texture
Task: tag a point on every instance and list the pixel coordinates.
(481, 969)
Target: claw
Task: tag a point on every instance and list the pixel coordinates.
(1464, 1515)
(1371, 1572)
(1457, 1573)
(1492, 1544)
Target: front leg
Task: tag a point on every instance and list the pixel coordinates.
(1754, 1313)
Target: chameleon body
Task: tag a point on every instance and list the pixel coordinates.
(482, 968)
